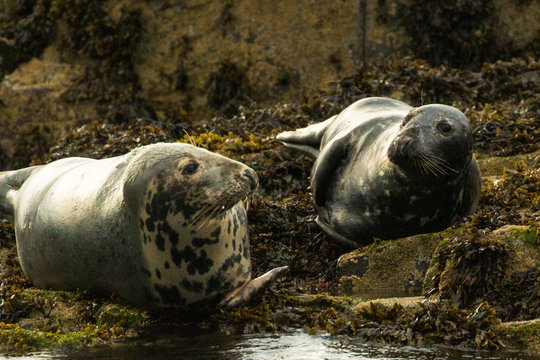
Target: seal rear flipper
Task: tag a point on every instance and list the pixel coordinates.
(249, 289)
(15, 178)
(306, 140)
(6, 201)
(10, 181)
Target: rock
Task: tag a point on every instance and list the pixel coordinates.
(494, 166)
(8, 55)
(501, 267)
(280, 50)
(33, 115)
(408, 302)
(524, 335)
(389, 268)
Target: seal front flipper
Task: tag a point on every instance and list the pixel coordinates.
(248, 290)
(306, 140)
(326, 167)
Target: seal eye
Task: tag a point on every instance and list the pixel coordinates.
(444, 127)
(190, 168)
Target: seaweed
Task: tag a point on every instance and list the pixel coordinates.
(109, 79)
(466, 268)
(500, 99)
(31, 28)
(228, 87)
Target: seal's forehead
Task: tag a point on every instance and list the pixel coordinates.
(170, 151)
(437, 111)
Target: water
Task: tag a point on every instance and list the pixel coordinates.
(294, 346)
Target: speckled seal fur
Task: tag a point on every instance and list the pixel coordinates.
(163, 226)
(384, 169)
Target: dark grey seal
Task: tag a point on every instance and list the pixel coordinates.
(384, 169)
(163, 226)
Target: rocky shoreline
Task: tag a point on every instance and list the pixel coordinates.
(471, 267)
(87, 91)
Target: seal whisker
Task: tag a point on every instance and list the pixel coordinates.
(200, 214)
(212, 213)
(441, 162)
(190, 138)
(418, 163)
(439, 166)
(202, 221)
(434, 168)
(427, 169)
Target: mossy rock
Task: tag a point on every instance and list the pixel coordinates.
(495, 165)
(119, 315)
(524, 335)
(501, 266)
(389, 268)
(17, 340)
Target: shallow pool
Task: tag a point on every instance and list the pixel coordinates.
(296, 345)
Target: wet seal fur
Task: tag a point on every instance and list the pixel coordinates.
(384, 169)
(163, 226)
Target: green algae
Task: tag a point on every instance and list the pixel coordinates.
(524, 336)
(530, 235)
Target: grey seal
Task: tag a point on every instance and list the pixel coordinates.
(385, 169)
(163, 227)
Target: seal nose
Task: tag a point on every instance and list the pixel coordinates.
(398, 149)
(253, 178)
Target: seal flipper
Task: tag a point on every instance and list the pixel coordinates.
(249, 289)
(327, 164)
(306, 140)
(10, 181)
(6, 201)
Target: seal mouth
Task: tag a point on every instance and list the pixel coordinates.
(406, 155)
(229, 198)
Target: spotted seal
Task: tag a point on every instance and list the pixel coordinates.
(163, 226)
(384, 169)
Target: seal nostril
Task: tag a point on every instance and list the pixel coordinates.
(405, 144)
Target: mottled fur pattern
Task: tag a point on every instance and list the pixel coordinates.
(384, 169)
(163, 226)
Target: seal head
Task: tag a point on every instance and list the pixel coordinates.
(434, 143)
